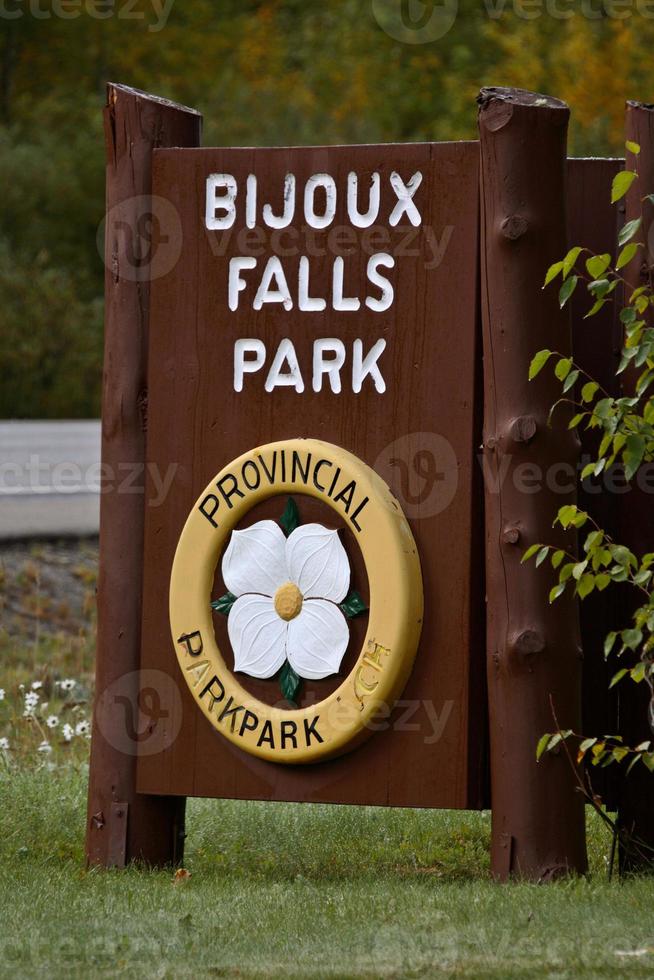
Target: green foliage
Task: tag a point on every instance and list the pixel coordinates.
(353, 605)
(264, 72)
(290, 519)
(224, 603)
(625, 441)
(289, 682)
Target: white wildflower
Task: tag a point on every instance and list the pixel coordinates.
(31, 699)
(2, 693)
(4, 744)
(82, 728)
(52, 721)
(45, 747)
(67, 731)
(67, 685)
(37, 685)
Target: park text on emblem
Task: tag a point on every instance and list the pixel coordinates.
(286, 599)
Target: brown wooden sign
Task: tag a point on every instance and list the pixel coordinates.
(324, 293)
(313, 588)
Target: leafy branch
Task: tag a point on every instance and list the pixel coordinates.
(625, 430)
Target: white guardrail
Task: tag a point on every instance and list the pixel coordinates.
(49, 479)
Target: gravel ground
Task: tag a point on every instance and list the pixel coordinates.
(51, 584)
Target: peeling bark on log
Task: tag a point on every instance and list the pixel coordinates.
(123, 825)
(533, 650)
(636, 794)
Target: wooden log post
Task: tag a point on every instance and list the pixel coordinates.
(636, 794)
(123, 825)
(533, 649)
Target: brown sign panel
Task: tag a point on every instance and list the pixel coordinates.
(327, 293)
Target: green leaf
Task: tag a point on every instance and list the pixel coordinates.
(552, 273)
(353, 605)
(628, 231)
(601, 287)
(601, 581)
(566, 514)
(538, 362)
(570, 380)
(626, 255)
(570, 260)
(597, 264)
(290, 518)
(585, 585)
(224, 604)
(632, 638)
(621, 184)
(566, 290)
(557, 558)
(531, 550)
(562, 368)
(609, 642)
(589, 391)
(556, 591)
(542, 555)
(617, 677)
(648, 759)
(543, 742)
(595, 308)
(633, 147)
(288, 682)
(633, 453)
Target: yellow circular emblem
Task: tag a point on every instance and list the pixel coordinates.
(275, 612)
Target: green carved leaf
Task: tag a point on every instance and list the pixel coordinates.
(289, 682)
(290, 518)
(224, 604)
(353, 605)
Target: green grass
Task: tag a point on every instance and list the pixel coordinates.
(287, 890)
(276, 890)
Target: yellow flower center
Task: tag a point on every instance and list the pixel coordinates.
(288, 601)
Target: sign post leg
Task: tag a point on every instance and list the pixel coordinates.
(123, 825)
(533, 649)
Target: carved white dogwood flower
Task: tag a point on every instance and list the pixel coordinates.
(287, 593)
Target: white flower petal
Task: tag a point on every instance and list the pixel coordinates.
(317, 639)
(317, 562)
(255, 560)
(257, 636)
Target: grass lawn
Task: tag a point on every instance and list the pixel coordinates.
(300, 891)
(275, 890)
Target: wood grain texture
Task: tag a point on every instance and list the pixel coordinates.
(533, 649)
(198, 423)
(122, 825)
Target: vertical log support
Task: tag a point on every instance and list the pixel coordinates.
(636, 797)
(533, 649)
(123, 825)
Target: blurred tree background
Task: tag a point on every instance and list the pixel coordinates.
(262, 72)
